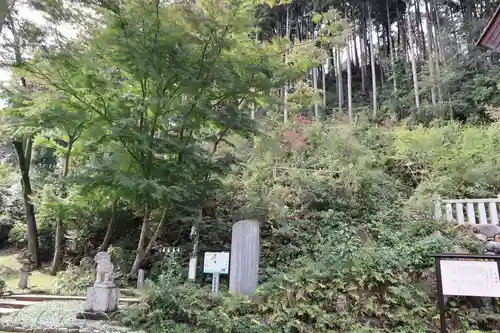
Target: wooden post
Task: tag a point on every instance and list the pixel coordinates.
(140, 279)
(438, 212)
(245, 257)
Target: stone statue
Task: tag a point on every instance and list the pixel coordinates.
(103, 297)
(104, 269)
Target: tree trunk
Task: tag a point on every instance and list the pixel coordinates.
(142, 241)
(356, 53)
(340, 79)
(403, 38)
(285, 89)
(59, 238)
(157, 232)
(413, 65)
(315, 87)
(362, 48)
(111, 227)
(385, 55)
(419, 30)
(349, 82)
(391, 48)
(23, 149)
(372, 61)
(431, 62)
(323, 85)
(434, 16)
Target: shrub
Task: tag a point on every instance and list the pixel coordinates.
(18, 237)
(344, 249)
(122, 258)
(74, 280)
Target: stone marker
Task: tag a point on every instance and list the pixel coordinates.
(245, 257)
(103, 297)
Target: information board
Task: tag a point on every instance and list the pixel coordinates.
(470, 278)
(216, 263)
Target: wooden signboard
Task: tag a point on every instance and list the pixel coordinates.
(216, 263)
(465, 275)
(470, 278)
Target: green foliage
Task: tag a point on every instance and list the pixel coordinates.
(339, 251)
(152, 115)
(74, 280)
(186, 308)
(451, 160)
(168, 270)
(18, 238)
(5, 173)
(121, 258)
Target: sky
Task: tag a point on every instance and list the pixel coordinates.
(35, 16)
(29, 14)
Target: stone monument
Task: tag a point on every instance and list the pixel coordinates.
(245, 257)
(103, 297)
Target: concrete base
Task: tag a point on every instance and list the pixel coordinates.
(102, 299)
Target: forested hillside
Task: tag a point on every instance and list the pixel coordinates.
(134, 125)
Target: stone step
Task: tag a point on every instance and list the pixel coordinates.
(40, 298)
(6, 311)
(14, 304)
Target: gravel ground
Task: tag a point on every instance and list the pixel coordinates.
(57, 314)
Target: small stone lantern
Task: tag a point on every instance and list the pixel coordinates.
(27, 265)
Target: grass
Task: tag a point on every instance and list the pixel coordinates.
(39, 280)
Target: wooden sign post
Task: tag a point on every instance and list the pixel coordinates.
(465, 275)
(216, 263)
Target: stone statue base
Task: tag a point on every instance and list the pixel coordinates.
(102, 299)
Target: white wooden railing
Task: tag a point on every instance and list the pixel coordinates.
(473, 211)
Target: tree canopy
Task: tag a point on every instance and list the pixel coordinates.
(139, 124)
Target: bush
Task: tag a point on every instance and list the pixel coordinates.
(74, 280)
(18, 237)
(339, 251)
(346, 236)
(187, 308)
(122, 258)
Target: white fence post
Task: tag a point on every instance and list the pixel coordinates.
(468, 211)
(438, 211)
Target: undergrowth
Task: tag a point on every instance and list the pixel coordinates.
(346, 241)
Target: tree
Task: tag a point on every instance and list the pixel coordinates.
(166, 95)
(4, 8)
